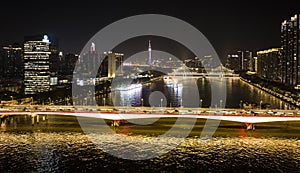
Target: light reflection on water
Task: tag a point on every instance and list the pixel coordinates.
(73, 151)
(237, 92)
(59, 145)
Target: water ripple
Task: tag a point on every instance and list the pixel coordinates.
(70, 151)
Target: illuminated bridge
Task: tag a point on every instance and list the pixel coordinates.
(249, 119)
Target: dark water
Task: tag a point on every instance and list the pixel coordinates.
(59, 145)
(237, 92)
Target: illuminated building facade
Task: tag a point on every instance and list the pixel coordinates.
(240, 61)
(234, 62)
(269, 64)
(114, 60)
(290, 42)
(246, 60)
(36, 64)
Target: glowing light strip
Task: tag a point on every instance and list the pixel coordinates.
(124, 116)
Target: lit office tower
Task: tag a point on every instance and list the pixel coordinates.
(234, 62)
(246, 60)
(290, 43)
(114, 60)
(36, 64)
(269, 64)
(239, 61)
(255, 62)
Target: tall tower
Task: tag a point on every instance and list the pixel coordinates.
(290, 63)
(149, 52)
(113, 61)
(36, 64)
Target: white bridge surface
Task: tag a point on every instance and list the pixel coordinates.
(125, 116)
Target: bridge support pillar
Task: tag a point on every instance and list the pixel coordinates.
(116, 123)
(250, 126)
(37, 119)
(32, 120)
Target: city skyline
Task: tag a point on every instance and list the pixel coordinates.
(153, 86)
(229, 26)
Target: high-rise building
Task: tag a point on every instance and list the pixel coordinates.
(36, 64)
(114, 61)
(12, 62)
(69, 63)
(55, 61)
(88, 62)
(246, 60)
(255, 62)
(290, 62)
(239, 61)
(269, 64)
(234, 62)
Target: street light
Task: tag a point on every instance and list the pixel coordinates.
(103, 101)
(12, 98)
(161, 102)
(85, 99)
(201, 103)
(142, 100)
(241, 104)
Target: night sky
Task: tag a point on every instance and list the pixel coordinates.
(228, 25)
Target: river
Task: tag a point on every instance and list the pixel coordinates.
(60, 144)
(237, 93)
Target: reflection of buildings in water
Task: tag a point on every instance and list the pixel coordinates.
(175, 93)
(128, 95)
(175, 89)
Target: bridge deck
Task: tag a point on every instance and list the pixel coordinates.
(127, 116)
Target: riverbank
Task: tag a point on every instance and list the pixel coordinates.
(284, 98)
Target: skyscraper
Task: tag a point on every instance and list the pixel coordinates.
(239, 61)
(234, 62)
(246, 60)
(12, 63)
(69, 63)
(36, 64)
(290, 62)
(269, 64)
(114, 60)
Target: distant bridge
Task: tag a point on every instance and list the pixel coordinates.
(194, 74)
